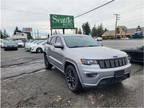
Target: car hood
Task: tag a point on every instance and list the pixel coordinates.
(99, 52)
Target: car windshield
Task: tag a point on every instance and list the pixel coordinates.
(35, 41)
(40, 41)
(80, 41)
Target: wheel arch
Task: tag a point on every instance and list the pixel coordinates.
(70, 62)
(39, 48)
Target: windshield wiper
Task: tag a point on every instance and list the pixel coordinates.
(92, 45)
(76, 46)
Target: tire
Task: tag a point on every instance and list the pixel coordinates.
(47, 64)
(16, 49)
(39, 50)
(72, 79)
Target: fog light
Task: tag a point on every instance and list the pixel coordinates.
(91, 74)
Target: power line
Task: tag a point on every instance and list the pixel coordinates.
(93, 9)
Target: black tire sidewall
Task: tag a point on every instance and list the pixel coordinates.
(39, 50)
(78, 84)
(47, 64)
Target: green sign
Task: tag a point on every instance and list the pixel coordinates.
(61, 21)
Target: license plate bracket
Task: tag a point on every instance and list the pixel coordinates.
(118, 73)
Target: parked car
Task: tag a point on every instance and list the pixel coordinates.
(98, 38)
(29, 45)
(38, 47)
(136, 54)
(10, 45)
(85, 63)
(20, 43)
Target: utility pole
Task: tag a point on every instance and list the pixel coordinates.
(117, 18)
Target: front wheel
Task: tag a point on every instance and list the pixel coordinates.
(47, 64)
(72, 79)
(39, 50)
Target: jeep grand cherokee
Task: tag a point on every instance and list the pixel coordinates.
(84, 62)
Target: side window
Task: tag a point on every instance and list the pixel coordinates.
(58, 40)
(52, 40)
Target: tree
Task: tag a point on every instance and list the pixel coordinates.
(100, 30)
(79, 31)
(86, 28)
(94, 31)
(106, 29)
(16, 30)
(4, 34)
(1, 34)
(29, 36)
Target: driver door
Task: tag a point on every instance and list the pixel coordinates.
(58, 54)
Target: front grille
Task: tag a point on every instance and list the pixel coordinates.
(112, 63)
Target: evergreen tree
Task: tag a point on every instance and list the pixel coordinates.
(94, 31)
(3, 34)
(86, 28)
(29, 36)
(100, 30)
(16, 30)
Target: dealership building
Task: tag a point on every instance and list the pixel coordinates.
(123, 32)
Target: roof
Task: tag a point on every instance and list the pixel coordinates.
(108, 33)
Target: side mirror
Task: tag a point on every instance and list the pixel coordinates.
(58, 45)
(48, 42)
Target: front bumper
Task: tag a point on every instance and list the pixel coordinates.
(27, 49)
(32, 50)
(93, 75)
(11, 48)
(20, 45)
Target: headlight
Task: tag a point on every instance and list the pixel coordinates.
(88, 61)
(32, 48)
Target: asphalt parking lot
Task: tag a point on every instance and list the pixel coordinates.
(26, 83)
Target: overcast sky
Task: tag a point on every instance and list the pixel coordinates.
(35, 13)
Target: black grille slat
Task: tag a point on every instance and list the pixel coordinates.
(116, 63)
(126, 60)
(101, 64)
(107, 64)
(123, 61)
(120, 62)
(112, 63)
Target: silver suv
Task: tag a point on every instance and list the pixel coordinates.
(84, 62)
